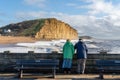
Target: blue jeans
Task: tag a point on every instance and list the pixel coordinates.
(67, 63)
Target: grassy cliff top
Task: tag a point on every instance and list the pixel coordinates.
(25, 28)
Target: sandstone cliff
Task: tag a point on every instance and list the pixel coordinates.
(55, 29)
(46, 29)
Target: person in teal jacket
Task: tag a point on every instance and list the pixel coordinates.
(68, 51)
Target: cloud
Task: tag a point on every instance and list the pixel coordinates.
(102, 21)
(106, 7)
(86, 25)
(38, 3)
(106, 21)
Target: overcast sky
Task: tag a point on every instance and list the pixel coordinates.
(96, 18)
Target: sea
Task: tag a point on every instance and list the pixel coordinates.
(95, 46)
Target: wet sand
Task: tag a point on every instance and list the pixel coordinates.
(12, 40)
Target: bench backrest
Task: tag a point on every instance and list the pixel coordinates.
(40, 62)
(107, 62)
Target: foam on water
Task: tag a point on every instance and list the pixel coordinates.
(93, 45)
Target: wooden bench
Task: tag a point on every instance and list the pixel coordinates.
(46, 64)
(107, 66)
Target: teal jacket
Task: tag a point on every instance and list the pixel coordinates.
(68, 50)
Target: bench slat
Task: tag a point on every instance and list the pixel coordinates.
(36, 68)
(109, 68)
(52, 64)
(38, 64)
(40, 60)
(107, 65)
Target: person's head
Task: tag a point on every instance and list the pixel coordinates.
(80, 39)
(68, 40)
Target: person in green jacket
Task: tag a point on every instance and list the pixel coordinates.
(68, 51)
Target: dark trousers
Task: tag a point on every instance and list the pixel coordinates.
(81, 65)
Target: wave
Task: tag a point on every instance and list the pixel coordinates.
(94, 46)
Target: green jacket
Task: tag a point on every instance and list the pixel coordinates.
(68, 50)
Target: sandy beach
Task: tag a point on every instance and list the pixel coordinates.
(11, 39)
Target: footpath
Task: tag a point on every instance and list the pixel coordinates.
(12, 76)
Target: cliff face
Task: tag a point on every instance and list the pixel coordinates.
(46, 29)
(55, 29)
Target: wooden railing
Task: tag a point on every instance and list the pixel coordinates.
(8, 59)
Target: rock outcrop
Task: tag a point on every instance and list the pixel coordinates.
(46, 29)
(55, 29)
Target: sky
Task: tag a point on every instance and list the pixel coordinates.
(95, 18)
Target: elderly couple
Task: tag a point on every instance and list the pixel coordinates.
(81, 52)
